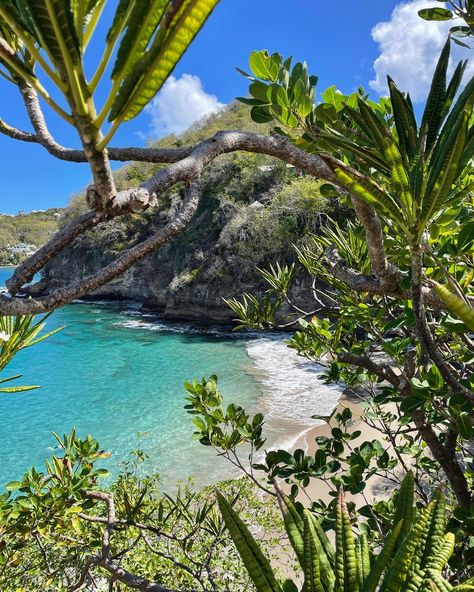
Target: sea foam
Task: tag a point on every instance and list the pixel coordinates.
(292, 385)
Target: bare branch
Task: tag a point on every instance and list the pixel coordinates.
(16, 306)
(24, 273)
(16, 134)
(387, 273)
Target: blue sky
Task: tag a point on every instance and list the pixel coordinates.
(345, 43)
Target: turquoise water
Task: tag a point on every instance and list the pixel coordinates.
(114, 373)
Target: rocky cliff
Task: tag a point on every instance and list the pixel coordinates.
(253, 210)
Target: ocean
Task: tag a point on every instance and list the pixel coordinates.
(118, 373)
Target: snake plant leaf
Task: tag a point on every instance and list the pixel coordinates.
(346, 562)
(252, 557)
(405, 504)
(294, 525)
(431, 119)
(433, 537)
(399, 570)
(177, 31)
(54, 25)
(325, 542)
(383, 559)
(436, 582)
(365, 557)
(144, 18)
(445, 167)
(311, 565)
(404, 119)
(457, 306)
(438, 561)
(326, 570)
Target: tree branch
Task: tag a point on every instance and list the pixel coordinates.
(19, 306)
(388, 274)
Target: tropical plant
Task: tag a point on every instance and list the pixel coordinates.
(463, 9)
(64, 528)
(414, 556)
(417, 180)
(385, 323)
(16, 334)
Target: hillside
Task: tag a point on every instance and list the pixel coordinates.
(253, 210)
(23, 233)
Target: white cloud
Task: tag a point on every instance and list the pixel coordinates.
(180, 103)
(409, 49)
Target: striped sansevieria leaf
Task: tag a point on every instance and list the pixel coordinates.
(254, 560)
(413, 557)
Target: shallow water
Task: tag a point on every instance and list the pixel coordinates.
(115, 373)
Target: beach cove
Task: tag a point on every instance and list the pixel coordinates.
(117, 373)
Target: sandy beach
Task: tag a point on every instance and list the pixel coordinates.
(377, 488)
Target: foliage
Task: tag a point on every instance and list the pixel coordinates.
(412, 168)
(463, 9)
(147, 39)
(380, 323)
(16, 334)
(413, 557)
(53, 521)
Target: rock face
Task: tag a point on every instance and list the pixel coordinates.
(160, 283)
(253, 211)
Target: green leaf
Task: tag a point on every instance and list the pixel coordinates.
(444, 169)
(383, 560)
(436, 14)
(13, 485)
(432, 115)
(465, 238)
(141, 25)
(347, 579)
(259, 91)
(456, 306)
(263, 66)
(405, 504)
(312, 572)
(176, 32)
(260, 115)
(254, 560)
(54, 25)
(464, 426)
(405, 121)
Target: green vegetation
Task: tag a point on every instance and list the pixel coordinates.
(53, 522)
(416, 550)
(253, 210)
(31, 229)
(393, 323)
